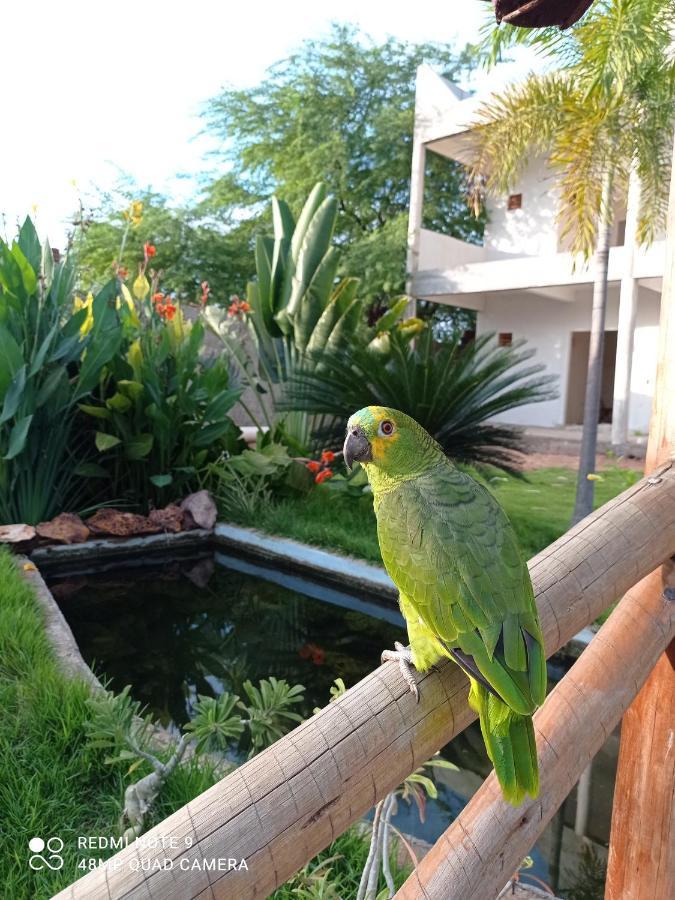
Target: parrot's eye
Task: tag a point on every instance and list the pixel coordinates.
(386, 428)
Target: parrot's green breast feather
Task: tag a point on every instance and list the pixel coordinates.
(453, 554)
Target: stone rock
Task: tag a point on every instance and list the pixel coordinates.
(202, 509)
(202, 572)
(16, 534)
(121, 524)
(64, 529)
(169, 519)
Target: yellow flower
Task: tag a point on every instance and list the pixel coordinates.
(88, 323)
(29, 567)
(135, 357)
(129, 301)
(141, 287)
(136, 212)
(593, 477)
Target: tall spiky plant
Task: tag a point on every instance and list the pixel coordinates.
(606, 109)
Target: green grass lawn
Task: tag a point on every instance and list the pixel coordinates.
(539, 505)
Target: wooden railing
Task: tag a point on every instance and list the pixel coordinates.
(289, 802)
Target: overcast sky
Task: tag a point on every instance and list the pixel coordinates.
(90, 89)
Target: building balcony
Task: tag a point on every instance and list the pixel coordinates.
(455, 272)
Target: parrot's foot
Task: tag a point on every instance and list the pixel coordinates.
(403, 655)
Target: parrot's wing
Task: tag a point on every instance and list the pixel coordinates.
(450, 548)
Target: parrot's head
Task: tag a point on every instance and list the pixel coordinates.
(388, 441)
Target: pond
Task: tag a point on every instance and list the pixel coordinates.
(175, 628)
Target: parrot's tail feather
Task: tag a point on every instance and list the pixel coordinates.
(509, 739)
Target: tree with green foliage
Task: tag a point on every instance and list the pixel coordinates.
(191, 247)
(341, 109)
(606, 109)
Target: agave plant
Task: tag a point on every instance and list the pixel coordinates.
(51, 356)
(299, 310)
(454, 391)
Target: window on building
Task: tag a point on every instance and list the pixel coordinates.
(505, 338)
(515, 201)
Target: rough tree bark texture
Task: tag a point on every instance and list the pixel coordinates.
(484, 846)
(290, 801)
(642, 840)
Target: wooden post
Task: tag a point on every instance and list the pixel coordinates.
(481, 850)
(642, 840)
(286, 804)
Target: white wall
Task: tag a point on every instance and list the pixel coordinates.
(548, 324)
(531, 230)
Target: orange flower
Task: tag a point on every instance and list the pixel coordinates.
(313, 466)
(322, 476)
(149, 250)
(327, 457)
(158, 298)
(237, 306)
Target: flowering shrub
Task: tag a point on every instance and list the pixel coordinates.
(161, 409)
(321, 468)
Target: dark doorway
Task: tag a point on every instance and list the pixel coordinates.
(577, 375)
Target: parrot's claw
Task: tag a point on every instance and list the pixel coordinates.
(403, 655)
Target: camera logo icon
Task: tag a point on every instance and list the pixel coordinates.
(52, 859)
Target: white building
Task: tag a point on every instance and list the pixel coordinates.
(522, 282)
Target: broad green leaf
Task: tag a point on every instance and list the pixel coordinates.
(161, 480)
(106, 441)
(132, 389)
(28, 275)
(211, 433)
(17, 437)
(13, 395)
(91, 470)
(41, 355)
(139, 447)
(11, 358)
(222, 403)
(98, 412)
(118, 402)
(57, 378)
(29, 243)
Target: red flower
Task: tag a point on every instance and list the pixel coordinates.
(322, 476)
(313, 466)
(327, 457)
(158, 298)
(149, 250)
(206, 290)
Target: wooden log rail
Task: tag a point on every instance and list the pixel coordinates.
(289, 802)
(480, 851)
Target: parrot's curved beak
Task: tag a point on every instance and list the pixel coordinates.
(356, 448)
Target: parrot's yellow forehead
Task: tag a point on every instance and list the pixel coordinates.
(369, 419)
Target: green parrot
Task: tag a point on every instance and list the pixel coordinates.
(464, 587)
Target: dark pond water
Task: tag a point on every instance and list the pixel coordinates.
(183, 627)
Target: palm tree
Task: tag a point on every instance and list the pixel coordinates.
(606, 110)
